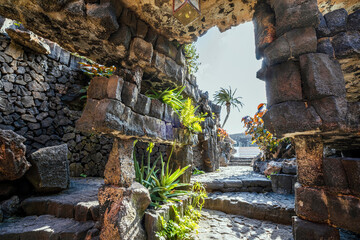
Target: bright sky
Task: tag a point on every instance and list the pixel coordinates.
(228, 59)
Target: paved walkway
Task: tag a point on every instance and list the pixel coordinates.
(218, 225)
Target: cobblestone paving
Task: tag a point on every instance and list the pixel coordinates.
(218, 225)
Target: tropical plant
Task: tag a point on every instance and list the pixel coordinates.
(259, 135)
(227, 97)
(191, 57)
(172, 97)
(189, 118)
(163, 187)
(198, 193)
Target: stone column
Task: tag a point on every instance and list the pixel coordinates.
(122, 201)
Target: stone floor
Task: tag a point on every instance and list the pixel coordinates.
(218, 225)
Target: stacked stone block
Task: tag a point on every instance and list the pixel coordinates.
(307, 95)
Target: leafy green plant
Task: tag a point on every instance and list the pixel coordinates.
(191, 57)
(269, 176)
(189, 118)
(83, 175)
(198, 193)
(227, 97)
(163, 187)
(197, 172)
(172, 97)
(181, 227)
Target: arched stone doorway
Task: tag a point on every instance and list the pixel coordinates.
(305, 63)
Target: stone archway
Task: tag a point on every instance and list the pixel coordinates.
(305, 62)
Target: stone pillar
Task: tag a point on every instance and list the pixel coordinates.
(122, 201)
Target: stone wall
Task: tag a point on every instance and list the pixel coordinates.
(311, 72)
(39, 99)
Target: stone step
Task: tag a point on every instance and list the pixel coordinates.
(272, 207)
(80, 201)
(239, 164)
(43, 228)
(258, 185)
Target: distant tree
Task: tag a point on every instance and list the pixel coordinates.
(227, 97)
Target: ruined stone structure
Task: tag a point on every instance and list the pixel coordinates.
(311, 69)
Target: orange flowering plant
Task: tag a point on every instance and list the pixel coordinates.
(222, 134)
(95, 69)
(259, 135)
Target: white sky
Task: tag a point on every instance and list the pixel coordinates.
(228, 59)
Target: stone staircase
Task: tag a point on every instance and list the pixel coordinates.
(235, 161)
(239, 191)
(71, 214)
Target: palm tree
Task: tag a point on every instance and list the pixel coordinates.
(227, 97)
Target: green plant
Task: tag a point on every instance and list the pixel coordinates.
(181, 227)
(227, 97)
(144, 173)
(191, 57)
(172, 97)
(189, 119)
(197, 172)
(163, 188)
(198, 193)
(83, 175)
(269, 176)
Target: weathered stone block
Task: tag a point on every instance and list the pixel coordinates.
(306, 230)
(103, 15)
(27, 39)
(283, 83)
(346, 44)
(344, 211)
(141, 29)
(50, 169)
(332, 111)
(156, 109)
(325, 46)
(322, 29)
(168, 112)
(291, 118)
(352, 169)
(119, 169)
(311, 204)
(13, 163)
(166, 47)
(172, 69)
(159, 61)
(264, 27)
(283, 183)
(151, 126)
(142, 105)
(121, 38)
(151, 36)
(141, 52)
(180, 57)
(354, 21)
(129, 94)
(294, 14)
(334, 174)
(182, 157)
(102, 87)
(309, 152)
(291, 45)
(336, 21)
(322, 77)
(123, 210)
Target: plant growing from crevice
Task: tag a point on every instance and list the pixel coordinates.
(197, 172)
(182, 107)
(191, 57)
(267, 143)
(164, 186)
